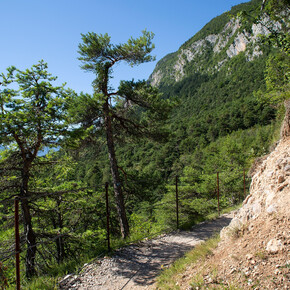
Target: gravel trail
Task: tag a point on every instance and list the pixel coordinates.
(136, 266)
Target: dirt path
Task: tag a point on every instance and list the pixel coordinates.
(137, 266)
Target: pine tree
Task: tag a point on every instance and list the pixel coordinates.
(118, 110)
(31, 118)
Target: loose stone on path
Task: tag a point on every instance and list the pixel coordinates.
(137, 266)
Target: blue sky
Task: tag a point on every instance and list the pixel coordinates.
(31, 30)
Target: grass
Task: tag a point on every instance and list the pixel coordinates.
(197, 282)
(261, 254)
(167, 279)
(41, 283)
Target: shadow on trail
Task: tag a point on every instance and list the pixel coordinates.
(142, 263)
(205, 230)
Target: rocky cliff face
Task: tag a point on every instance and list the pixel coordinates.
(210, 53)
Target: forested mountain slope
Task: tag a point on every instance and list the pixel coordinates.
(215, 74)
(254, 248)
(224, 87)
(219, 122)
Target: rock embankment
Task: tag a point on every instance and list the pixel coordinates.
(254, 252)
(269, 192)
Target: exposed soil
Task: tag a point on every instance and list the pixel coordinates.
(255, 249)
(137, 266)
(242, 262)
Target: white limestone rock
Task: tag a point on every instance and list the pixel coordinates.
(274, 246)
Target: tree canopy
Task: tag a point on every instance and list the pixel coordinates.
(132, 108)
(32, 117)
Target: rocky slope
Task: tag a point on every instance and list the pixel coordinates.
(207, 51)
(254, 252)
(230, 40)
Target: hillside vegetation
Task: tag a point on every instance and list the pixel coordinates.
(253, 251)
(221, 93)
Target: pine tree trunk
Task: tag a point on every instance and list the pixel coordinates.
(115, 173)
(29, 234)
(59, 242)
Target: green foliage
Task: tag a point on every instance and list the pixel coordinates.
(36, 104)
(219, 104)
(277, 80)
(140, 224)
(32, 117)
(42, 283)
(3, 278)
(96, 50)
(274, 16)
(277, 77)
(222, 120)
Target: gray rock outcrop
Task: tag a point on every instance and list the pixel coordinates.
(232, 40)
(269, 191)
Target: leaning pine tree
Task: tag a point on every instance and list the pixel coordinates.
(135, 108)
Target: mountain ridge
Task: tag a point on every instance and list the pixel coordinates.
(222, 38)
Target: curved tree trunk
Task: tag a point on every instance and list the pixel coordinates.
(115, 173)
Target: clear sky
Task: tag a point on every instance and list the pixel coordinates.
(31, 30)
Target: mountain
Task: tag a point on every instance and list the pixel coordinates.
(214, 76)
(223, 38)
(219, 123)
